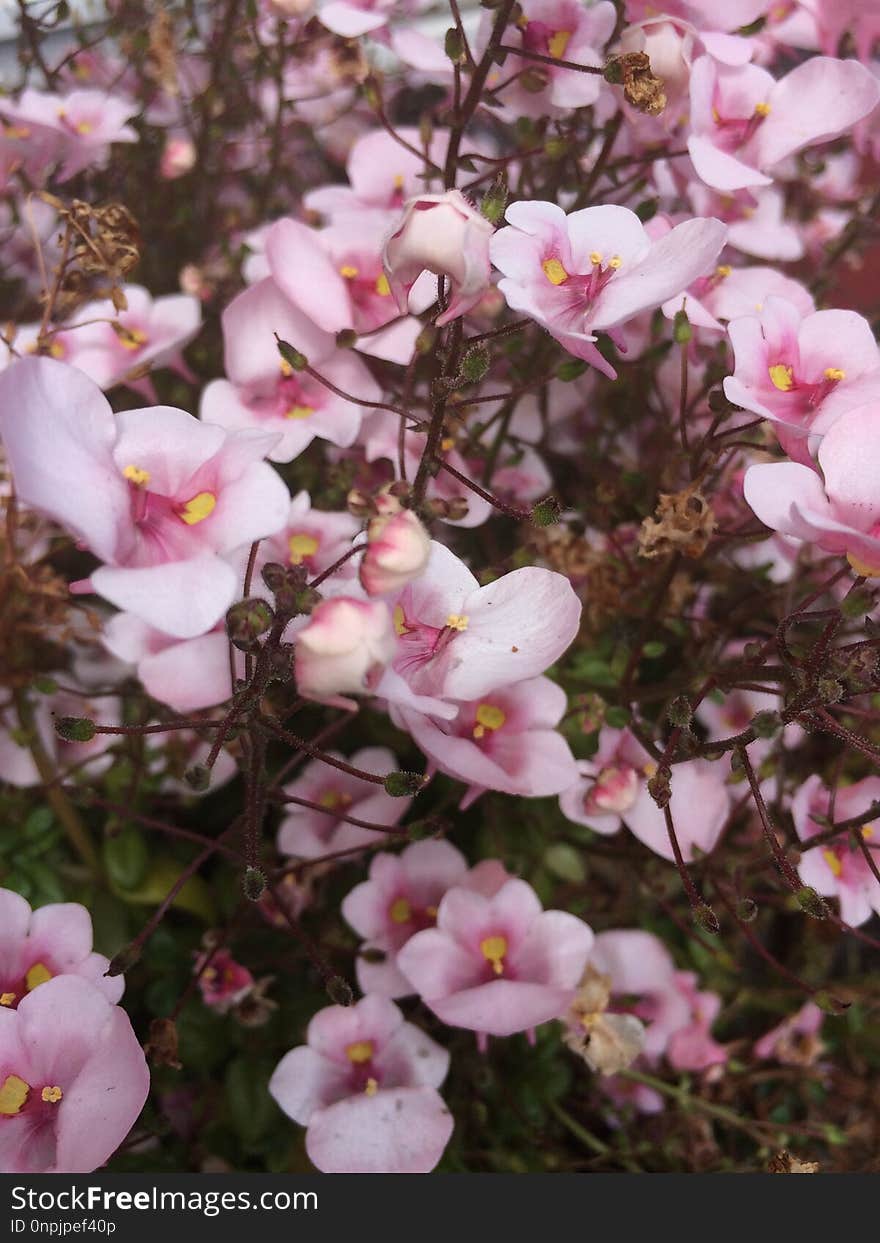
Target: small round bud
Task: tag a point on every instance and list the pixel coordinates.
(253, 884)
(246, 621)
(494, 200)
(475, 364)
(404, 785)
(681, 328)
(680, 712)
(746, 910)
(660, 786)
(346, 339)
(705, 918)
(810, 902)
(339, 991)
(766, 724)
(534, 80)
(453, 45)
(546, 513)
(372, 954)
(75, 728)
(198, 777)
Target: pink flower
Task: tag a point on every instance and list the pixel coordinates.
(399, 899)
(692, 1047)
(397, 551)
(590, 271)
(446, 235)
(264, 392)
(178, 158)
(840, 513)
(365, 1085)
(224, 982)
(743, 122)
(839, 868)
(505, 741)
(497, 965)
(343, 648)
(613, 790)
(155, 494)
(36, 946)
(795, 1041)
(314, 538)
(563, 30)
(308, 833)
(801, 371)
(73, 1079)
(75, 130)
(458, 640)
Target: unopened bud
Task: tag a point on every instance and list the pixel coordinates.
(453, 45)
(198, 777)
(404, 785)
(75, 728)
(546, 513)
(253, 884)
(294, 359)
(705, 918)
(660, 786)
(339, 991)
(124, 960)
(810, 902)
(680, 712)
(475, 364)
(681, 328)
(746, 910)
(246, 621)
(766, 724)
(346, 339)
(494, 201)
(830, 1004)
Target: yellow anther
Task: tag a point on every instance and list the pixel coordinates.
(301, 546)
(299, 412)
(56, 350)
(862, 568)
(16, 131)
(372, 1087)
(359, 1052)
(6, 999)
(595, 256)
(762, 110)
(398, 617)
(84, 127)
(131, 338)
(51, 1095)
(383, 289)
(285, 368)
(614, 262)
(782, 377)
(13, 1095)
(398, 181)
(400, 911)
(833, 862)
(554, 271)
(723, 270)
(834, 373)
(494, 949)
(557, 43)
(457, 621)
(198, 508)
(137, 475)
(38, 974)
(447, 443)
(649, 769)
(333, 800)
(867, 834)
(348, 271)
(488, 716)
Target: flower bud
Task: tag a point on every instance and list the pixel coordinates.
(339, 990)
(246, 621)
(253, 884)
(397, 552)
(75, 728)
(404, 785)
(343, 648)
(178, 158)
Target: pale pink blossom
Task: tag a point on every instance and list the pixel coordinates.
(178, 158)
(796, 1040)
(156, 495)
(309, 832)
(497, 965)
(399, 899)
(36, 946)
(596, 268)
(397, 550)
(839, 869)
(343, 648)
(223, 982)
(75, 130)
(446, 235)
(73, 1079)
(365, 1087)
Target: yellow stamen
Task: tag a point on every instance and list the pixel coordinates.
(6, 999)
(488, 716)
(131, 339)
(862, 568)
(348, 271)
(614, 262)
(400, 911)
(649, 769)
(447, 443)
(137, 475)
(868, 832)
(299, 412)
(762, 110)
(558, 42)
(372, 1087)
(301, 546)
(834, 373)
(51, 1095)
(84, 127)
(457, 621)
(383, 289)
(333, 800)
(198, 508)
(285, 368)
(13, 1095)
(595, 256)
(359, 1052)
(833, 862)
(56, 350)
(494, 949)
(398, 617)
(16, 131)
(554, 271)
(398, 181)
(782, 377)
(723, 270)
(38, 974)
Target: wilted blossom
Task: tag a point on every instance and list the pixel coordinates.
(446, 235)
(36, 946)
(73, 1079)
(365, 1087)
(223, 982)
(796, 1040)
(497, 965)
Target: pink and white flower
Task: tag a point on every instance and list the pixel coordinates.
(839, 869)
(343, 648)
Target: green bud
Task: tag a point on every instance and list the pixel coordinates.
(705, 918)
(45, 685)
(293, 358)
(647, 209)
(830, 1004)
(453, 45)
(475, 364)
(766, 724)
(124, 960)
(612, 73)
(546, 513)
(198, 777)
(253, 884)
(810, 902)
(339, 991)
(858, 602)
(679, 711)
(556, 148)
(404, 785)
(681, 328)
(534, 80)
(746, 910)
(75, 728)
(246, 621)
(494, 201)
(346, 339)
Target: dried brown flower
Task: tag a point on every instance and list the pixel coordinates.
(785, 1163)
(682, 522)
(641, 88)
